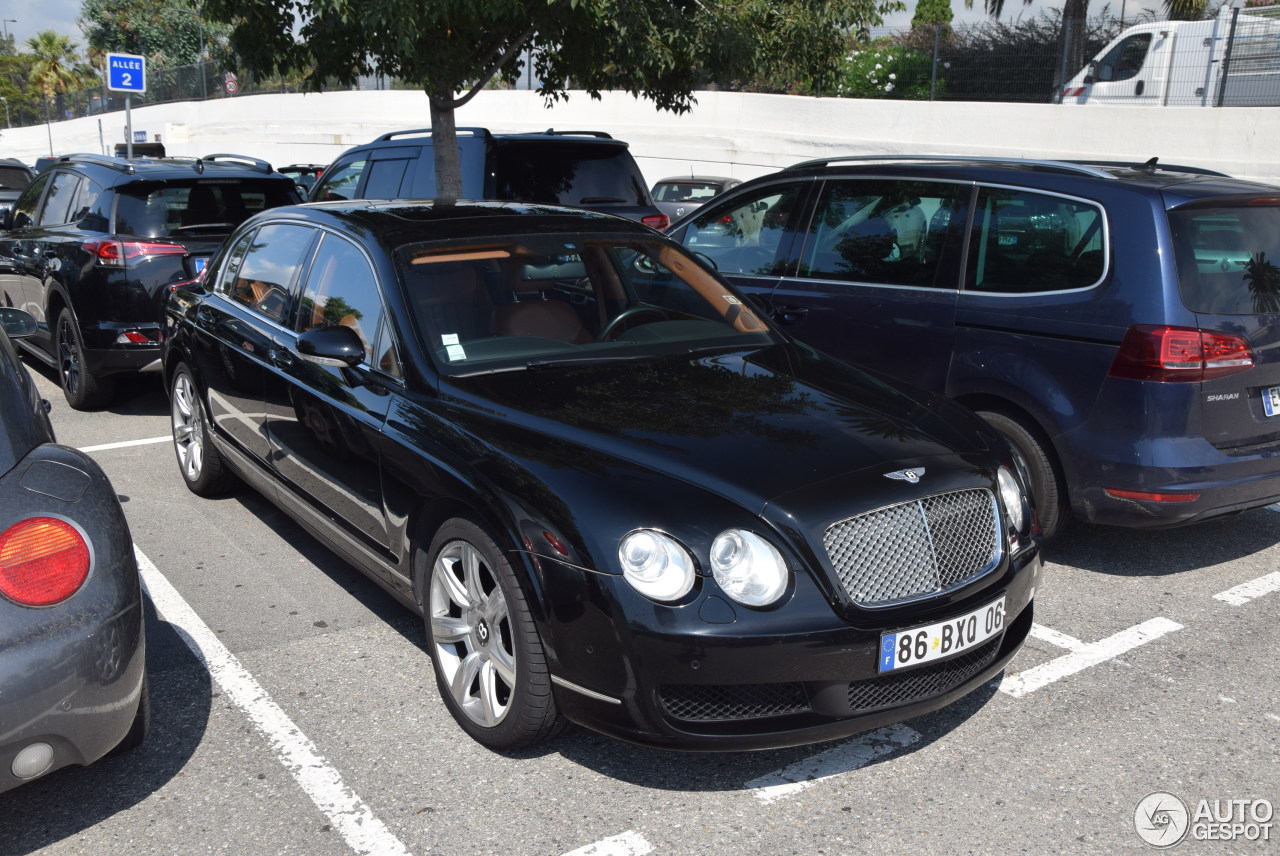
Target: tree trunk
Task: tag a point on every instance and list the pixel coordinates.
(444, 140)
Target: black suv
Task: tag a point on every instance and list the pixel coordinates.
(1119, 323)
(94, 241)
(584, 169)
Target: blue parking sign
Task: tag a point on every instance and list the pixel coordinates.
(126, 73)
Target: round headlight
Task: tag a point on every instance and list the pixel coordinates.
(748, 568)
(656, 565)
(1011, 496)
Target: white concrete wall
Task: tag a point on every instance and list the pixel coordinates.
(736, 134)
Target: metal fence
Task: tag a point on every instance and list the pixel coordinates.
(1230, 60)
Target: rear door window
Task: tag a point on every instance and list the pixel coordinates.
(1227, 259)
(57, 206)
(884, 231)
(1028, 243)
(271, 266)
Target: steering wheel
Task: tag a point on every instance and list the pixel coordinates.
(615, 323)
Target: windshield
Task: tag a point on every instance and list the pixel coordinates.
(1227, 259)
(534, 301)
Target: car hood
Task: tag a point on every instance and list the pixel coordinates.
(750, 426)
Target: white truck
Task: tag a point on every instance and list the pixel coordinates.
(1188, 63)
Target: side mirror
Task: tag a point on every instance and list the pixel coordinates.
(337, 346)
(18, 323)
(1090, 75)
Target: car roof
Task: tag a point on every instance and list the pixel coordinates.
(396, 222)
(678, 179)
(171, 167)
(1177, 182)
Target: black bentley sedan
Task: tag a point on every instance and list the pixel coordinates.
(73, 683)
(616, 494)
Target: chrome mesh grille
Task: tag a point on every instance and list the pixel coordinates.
(922, 683)
(698, 703)
(915, 549)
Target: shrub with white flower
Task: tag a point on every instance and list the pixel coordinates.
(885, 70)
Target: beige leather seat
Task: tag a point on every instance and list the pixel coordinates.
(535, 315)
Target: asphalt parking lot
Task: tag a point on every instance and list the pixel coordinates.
(295, 713)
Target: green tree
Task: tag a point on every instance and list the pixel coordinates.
(56, 69)
(167, 32)
(930, 12)
(658, 49)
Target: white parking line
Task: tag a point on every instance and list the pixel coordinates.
(627, 844)
(124, 444)
(843, 759)
(1088, 654)
(1053, 637)
(1245, 592)
(347, 813)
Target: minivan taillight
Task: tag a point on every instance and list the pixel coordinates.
(1179, 354)
(117, 253)
(43, 561)
(656, 221)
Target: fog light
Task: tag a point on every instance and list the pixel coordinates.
(33, 760)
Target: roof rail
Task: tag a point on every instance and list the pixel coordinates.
(219, 157)
(472, 132)
(1063, 166)
(101, 160)
(1152, 167)
(601, 135)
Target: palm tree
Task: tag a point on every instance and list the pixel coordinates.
(54, 70)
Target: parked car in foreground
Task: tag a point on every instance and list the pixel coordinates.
(680, 194)
(585, 169)
(615, 494)
(95, 241)
(1118, 323)
(73, 683)
(14, 178)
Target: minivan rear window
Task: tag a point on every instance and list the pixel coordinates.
(564, 174)
(1227, 259)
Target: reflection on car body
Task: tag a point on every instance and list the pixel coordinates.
(616, 495)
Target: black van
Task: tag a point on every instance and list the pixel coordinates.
(585, 169)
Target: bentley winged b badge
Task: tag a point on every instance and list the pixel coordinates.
(910, 476)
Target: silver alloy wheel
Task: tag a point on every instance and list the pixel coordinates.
(188, 428)
(471, 634)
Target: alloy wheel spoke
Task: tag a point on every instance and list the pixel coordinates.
(447, 630)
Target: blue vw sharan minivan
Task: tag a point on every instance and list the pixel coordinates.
(1118, 323)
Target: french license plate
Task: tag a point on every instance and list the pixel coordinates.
(944, 639)
(1271, 401)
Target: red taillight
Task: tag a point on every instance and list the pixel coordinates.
(1173, 354)
(656, 221)
(43, 561)
(1151, 497)
(112, 253)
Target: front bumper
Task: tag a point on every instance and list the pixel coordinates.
(765, 680)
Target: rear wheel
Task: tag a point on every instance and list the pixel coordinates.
(489, 662)
(1048, 493)
(198, 461)
(83, 389)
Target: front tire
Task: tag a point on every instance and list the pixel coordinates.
(82, 389)
(201, 466)
(489, 662)
(1048, 492)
